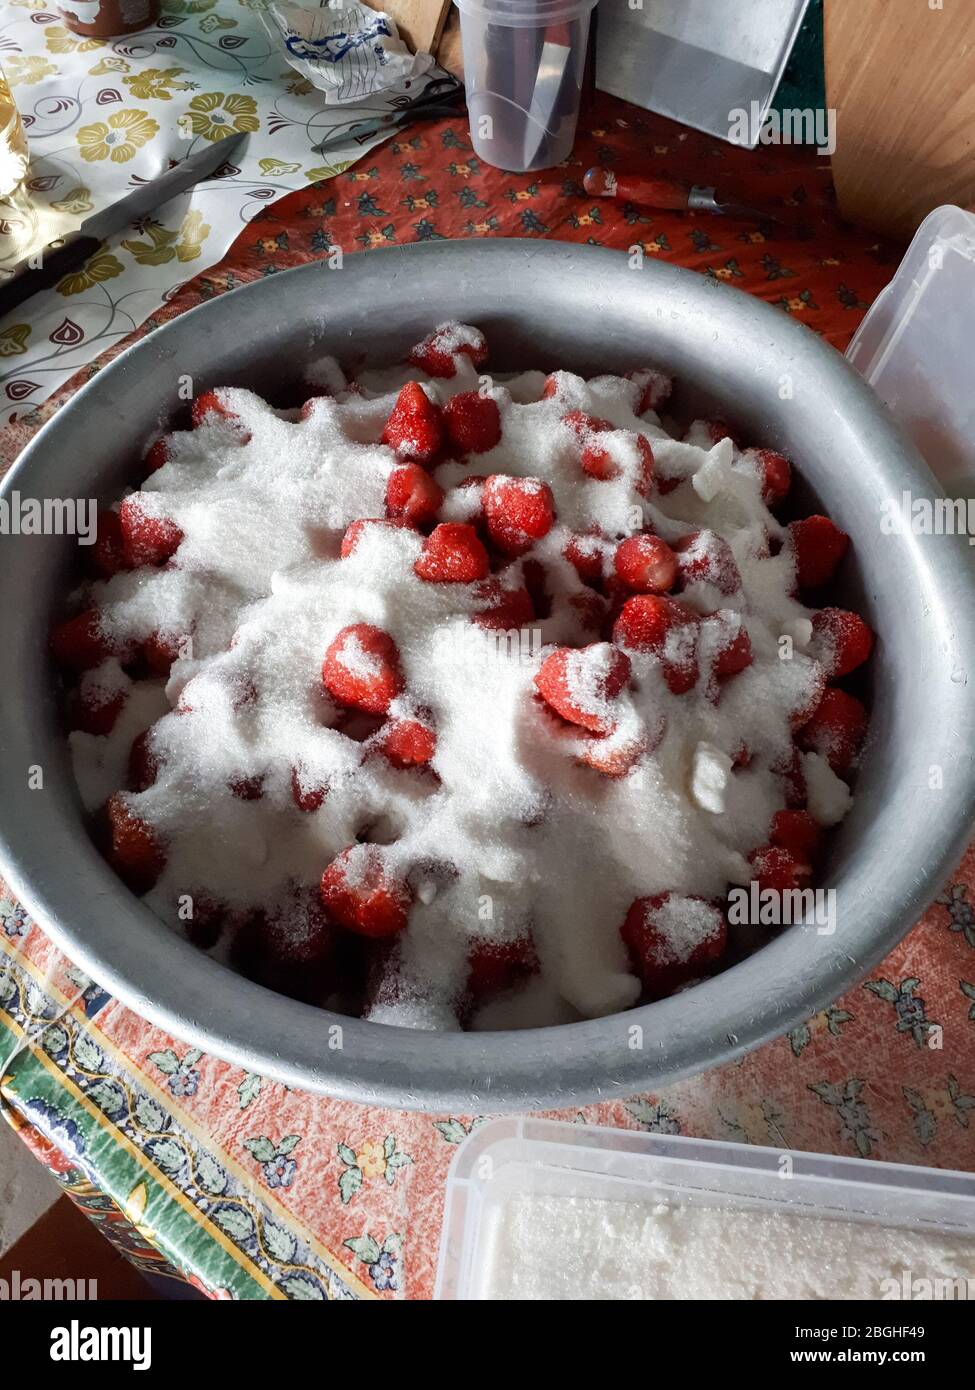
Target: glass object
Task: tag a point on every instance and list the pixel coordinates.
(103, 19)
(13, 142)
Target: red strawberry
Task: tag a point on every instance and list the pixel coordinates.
(108, 554)
(654, 389)
(149, 540)
(600, 464)
(436, 354)
(836, 730)
(247, 788)
(818, 546)
(841, 641)
(205, 927)
(519, 511)
(585, 554)
(291, 948)
(583, 425)
(580, 684)
(136, 854)
(452, 554)
(415, 426)
(80, 643)
(774, 474)
(611, 757)
(498, 965)
(667, 628)
(778, 870)
(96, 710)
(406, 742)
(646, 564)
(735, 650)
(143, 763)
(361, 668)
(160, 650)
(504, 609)
(209, 406)
(413, 495)
(793, 780)
(473, 422)
(355, 529)
(711, 432)
(797, 832)
(705, 557)
(361, 895)
(156, 455)
(672, 939)
(306, 793)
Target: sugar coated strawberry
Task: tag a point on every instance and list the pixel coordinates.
(797, 832)
(614, 756)
(504, 609)
(473, 422)
(160, 650)
(97, 709)
(415, 427)
(733, 648)
(108, 554)
(519, 511)
(836, 730)
(704, 557)
(774, 473)
(136, 852)
(290, 948)
(672, 939)
(818, 547)
(452, 554)
(156, 455)
(437, 354)
(494, 966)
(778, 870)
(361, 668)
(583, 425)
(307, 791)
(143, 762)
(355, 529)
(80, 643)
(646, 564)
(209, 406)
(585, 554)
(407, 742)
(706, 433)
(667, 628)
(149, 540)
(580, 684)
(841, 641)
(413, 495)
(653, 389)
(361, 894)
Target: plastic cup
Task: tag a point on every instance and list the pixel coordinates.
(523, 68)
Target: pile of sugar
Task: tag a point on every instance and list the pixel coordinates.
(538, 1246)
(515, 835)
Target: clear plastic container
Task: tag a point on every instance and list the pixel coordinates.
(519, 1155)
(914, 346)
(523, 67)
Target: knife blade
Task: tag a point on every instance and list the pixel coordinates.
(49, 264)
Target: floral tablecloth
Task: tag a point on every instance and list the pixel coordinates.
(250, 1190)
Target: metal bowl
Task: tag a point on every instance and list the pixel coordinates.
(543, 305)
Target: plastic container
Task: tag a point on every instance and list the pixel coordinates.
(914, 346)
(523, 67)
(518, 1155)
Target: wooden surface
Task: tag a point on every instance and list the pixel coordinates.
(420, 22)
(901, 76)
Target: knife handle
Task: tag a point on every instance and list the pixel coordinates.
(634, 188)
(45, 268)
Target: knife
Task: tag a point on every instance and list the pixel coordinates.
(46, 266)
(662, 193)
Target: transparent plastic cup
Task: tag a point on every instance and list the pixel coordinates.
(523, 68)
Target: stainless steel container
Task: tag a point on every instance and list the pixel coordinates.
(541, 304)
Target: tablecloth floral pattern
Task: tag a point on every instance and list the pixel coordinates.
(250, 1190)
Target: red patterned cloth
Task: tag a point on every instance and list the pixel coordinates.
(251, 1190)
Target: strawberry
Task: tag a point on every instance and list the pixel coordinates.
(646, 564)
(778, 870)
(585, 554)
(611, 757)
(291, 948)
(504, 609)
(108, 554)
(80, 643)
(580, 683)
(452, 554)
(705, 557)
(96, 710)
(473, 422)
(437, 353)
(494, 966)
(667, 628)
(306, 793)
(519, 511)
(210, 406)
(774, 474)
(247, 788)
(415, 427)
(355, 529)
(135, 854)
(841, 641)
(797, 832)
(653, 389)
(360, 894)
(361, 668)
(818, 546)
(707, 433)
(149, 540)
(160, 650)
(156, 455)
(793, 780)
(672, 939)
(836, 730)
(143, 762)
(411, 494)
(583, 425)
(205, 927)
(407, 742)
(734, 652)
